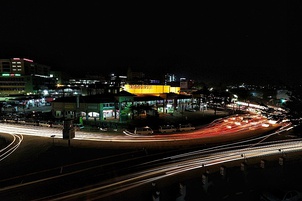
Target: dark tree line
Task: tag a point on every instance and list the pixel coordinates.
(294, 104)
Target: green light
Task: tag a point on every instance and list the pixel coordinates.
(10, 74)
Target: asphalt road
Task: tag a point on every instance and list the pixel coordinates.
(40, 153)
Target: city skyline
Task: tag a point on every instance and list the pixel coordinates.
(223, 43)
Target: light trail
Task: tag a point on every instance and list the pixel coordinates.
(11, 147)
(217, 128)
(155, 174)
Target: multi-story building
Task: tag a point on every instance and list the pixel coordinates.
(170, 78)
(23, 76)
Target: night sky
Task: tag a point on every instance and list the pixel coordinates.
(242, 41)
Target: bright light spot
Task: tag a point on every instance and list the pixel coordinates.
(45, 92)
(265, 125)
(93, 114)
(272, 121)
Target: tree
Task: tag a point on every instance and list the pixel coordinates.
(242, 93)
(294, 104)
(140, 108)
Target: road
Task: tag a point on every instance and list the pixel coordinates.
(139, 177)
(176, 166)
(140, 163)
(15, 141)
(227, 128)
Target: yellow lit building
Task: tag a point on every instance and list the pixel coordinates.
(155, 90)
(169, 98)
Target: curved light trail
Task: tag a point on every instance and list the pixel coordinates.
(220, 127)
(11, 147)
(164, 167)
(189, 163)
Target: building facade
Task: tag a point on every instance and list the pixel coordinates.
(133, 100)
(23, 76)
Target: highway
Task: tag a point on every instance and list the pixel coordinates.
(220, 127)
(222, 130)
(135, 170)
(177, 165)
(136, 176)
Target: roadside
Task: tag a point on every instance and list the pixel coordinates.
(196, 118)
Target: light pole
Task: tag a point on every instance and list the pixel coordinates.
(282, 152)
(53, 139)
(243, 156)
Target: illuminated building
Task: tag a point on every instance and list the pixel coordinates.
(156, 90)
(22, 76)
(115, 100)
(164, 98)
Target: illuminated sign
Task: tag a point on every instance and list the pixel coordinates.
(10, 75)
(29, 60)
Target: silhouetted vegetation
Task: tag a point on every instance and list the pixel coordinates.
(294, 104)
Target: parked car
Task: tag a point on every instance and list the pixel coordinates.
(56, 125)
(167, 128)
(103, 128)
(185, 127)
(143, 130)
(44, 123)
(190, 110)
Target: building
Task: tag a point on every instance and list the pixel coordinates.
(94, 107)
(122, 106)
(24, 76)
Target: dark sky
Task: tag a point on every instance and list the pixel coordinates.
(222, 42)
